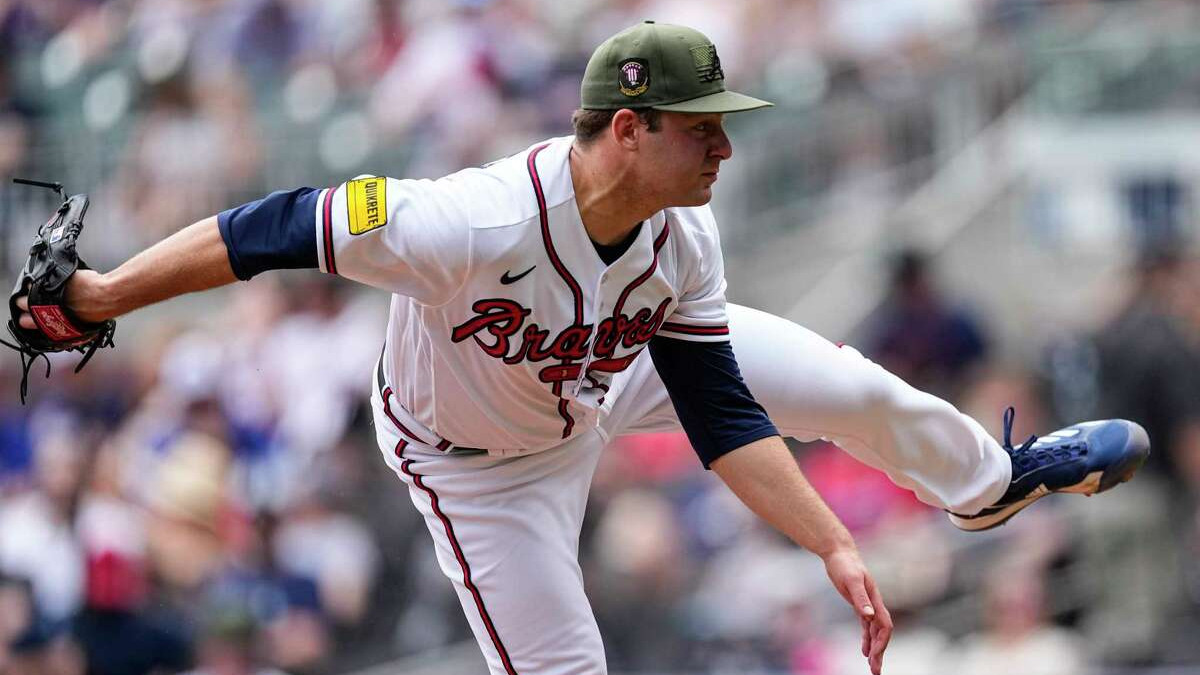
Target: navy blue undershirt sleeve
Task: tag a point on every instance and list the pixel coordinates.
(273, 233)
(714, 405)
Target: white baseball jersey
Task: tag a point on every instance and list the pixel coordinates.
(507, 330)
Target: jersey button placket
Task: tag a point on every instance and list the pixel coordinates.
(598, 309)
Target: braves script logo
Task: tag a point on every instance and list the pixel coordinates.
(498, 320)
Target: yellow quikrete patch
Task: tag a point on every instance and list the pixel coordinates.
(366, 204)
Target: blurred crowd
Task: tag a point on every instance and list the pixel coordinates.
(204, 499)
(208, 498)
(167, 111)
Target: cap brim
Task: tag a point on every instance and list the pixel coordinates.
(720, 102)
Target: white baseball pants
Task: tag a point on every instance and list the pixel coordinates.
(506, 530)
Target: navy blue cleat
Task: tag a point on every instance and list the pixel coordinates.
(1086, 458)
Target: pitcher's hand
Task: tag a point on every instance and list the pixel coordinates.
(852, 580)
(83, 293)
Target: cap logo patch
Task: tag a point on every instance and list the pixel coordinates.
(708, 64)
(634, 76)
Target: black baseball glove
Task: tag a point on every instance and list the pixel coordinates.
(52, 261)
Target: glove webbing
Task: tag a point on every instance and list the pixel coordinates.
(29, 356)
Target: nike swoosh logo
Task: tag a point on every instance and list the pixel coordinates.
(506, 279)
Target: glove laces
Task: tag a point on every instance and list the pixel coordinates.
(29, 355)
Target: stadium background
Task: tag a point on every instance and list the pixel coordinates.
(994, 198)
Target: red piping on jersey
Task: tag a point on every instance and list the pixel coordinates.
(658, 244)
(387, 410)
(694, 330)
(442, 444)
(597, 383)
(565, 414)
(327, 208)
(576, 291)
(462, 562)
(544, 217)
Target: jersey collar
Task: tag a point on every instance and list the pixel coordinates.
(568, 235)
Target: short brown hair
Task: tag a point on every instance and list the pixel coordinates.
(589, 124)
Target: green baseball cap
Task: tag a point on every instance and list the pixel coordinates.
(660, 66)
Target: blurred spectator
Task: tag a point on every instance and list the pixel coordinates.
(321, 387)
(37, 527)
(214, 151)
(285, 607)
(640, 561)
(229, 644)
(16, 447)
(114, 634)
(1183, 622)
(187, 503)
(913, 560)
(1156, 206)
(446, 60)
(46, 648)
(800, 643)
(335, 551)
(1150, 360)
(16, 615)
(118, 629)
(919, 335)
(1017, 637)
(14, 131)
(999, 385)
(1171, 378)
